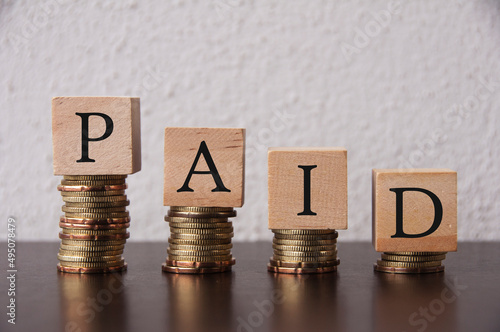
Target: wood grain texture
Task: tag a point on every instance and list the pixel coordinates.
(120, 153)
(328, 188)
(418, 209)
(227, 150)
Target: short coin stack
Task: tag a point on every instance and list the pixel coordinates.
(410, 262)
(200, 239)
(300, 251)
(94, 226)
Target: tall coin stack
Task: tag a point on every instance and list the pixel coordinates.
(301, 251)
(410, 262)
(94, 225)
(200, 239)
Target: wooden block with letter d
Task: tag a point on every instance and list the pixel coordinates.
(414, 218)
(96, 135)
(307, 188)
(204, 167)
(414, 210)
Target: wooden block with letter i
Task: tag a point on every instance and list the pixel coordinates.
(96, 144)
(204, 181)
(307, 203)
(414, 218)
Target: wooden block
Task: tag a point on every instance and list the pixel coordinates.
(96, 135)
(307, 188)
(414, 210)
(204, 167)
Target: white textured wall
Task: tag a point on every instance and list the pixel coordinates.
(421, 91)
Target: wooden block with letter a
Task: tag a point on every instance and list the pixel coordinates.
(96, 135)
(204, 167)
(414, 210)
(307, 188)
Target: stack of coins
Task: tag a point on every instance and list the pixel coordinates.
(94, 225)
(410, 262)
(298, 251)
(200, 239)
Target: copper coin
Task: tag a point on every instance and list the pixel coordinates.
(201, 215)
(103, 221)
(92, 188)
(201, 209)
(291, 270)
(82, 270)
(304, 231)
(194, 270)
(388, 269)
(280, 263)
(171, 262)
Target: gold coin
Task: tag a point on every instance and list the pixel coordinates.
(92, 183)
(93, 226)
(304, 243)
(195, 220)
(98, 245)
(415, 253)
(104, 193)
(93, 177)
(305, 237)
(304, 248)
(401, 258)
(204, 253)
(200, 225)
(111, 215)
(90, 259)
(217, 236)
(93, 199)
(92, 210)
(73, 253)
(200, 258)
(200, 242)
(202, 209)
(303, 259)
(93, 232)
(408, 264)
(98, 205)
(91, 249)
(200, 247)
(92, 264)
(304, 231)
(201, 231)
(305, 253)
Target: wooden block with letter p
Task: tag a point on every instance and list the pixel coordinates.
(204, 167)
(96, 135)
(414, 210)
(307, 188)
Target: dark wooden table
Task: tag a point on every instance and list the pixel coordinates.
(464, 298)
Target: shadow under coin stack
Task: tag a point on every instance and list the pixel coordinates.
(301, 251)
(200, 239)
(410, 262)
(94, 226)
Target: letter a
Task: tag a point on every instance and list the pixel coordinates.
(212, 170)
